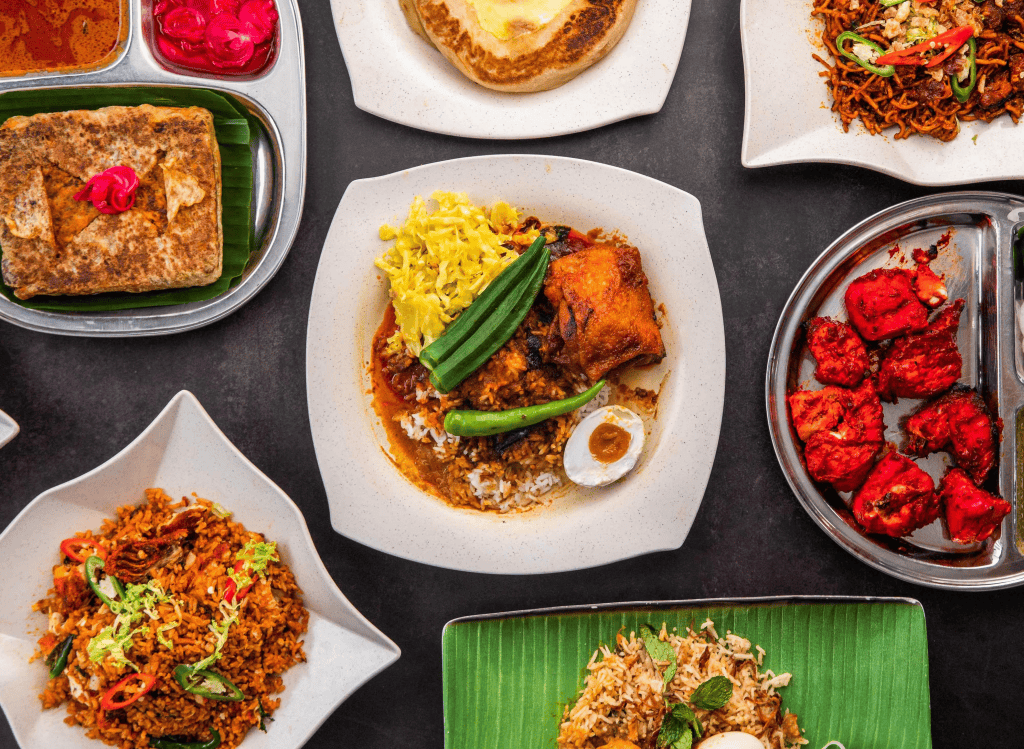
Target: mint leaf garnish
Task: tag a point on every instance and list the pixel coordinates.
(712, 694)
(659, 651)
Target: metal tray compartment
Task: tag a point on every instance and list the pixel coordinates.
(978, 265)
(277, 98)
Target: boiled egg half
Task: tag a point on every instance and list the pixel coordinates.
(731, 740)
(604, 446)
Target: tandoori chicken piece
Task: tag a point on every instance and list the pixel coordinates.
(959, 423)
(816, 410)
(897, 498)
(972, 514)
(605, 313)
(922, 365)
(883, 304)
(839, 351)
(843, 454)
(930, 289)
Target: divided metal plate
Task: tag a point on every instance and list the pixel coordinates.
(276, 97)
(978, 265)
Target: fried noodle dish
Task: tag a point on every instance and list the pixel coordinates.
(171, 628)
(654, 688)
(922, 66)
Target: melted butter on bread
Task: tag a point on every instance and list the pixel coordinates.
(507, 19)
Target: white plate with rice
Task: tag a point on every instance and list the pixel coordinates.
(652, 508)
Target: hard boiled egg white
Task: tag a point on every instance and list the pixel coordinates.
(580, 464)
(730, 740)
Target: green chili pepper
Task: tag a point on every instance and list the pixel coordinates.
(57, 660)
(890, 3)
(177, 742)
(486, 423)
(962, 94)
(91, 565)
(493, 332)
(884, 71)
(482, 307)
(207, 684)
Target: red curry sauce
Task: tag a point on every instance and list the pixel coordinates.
(58, 34)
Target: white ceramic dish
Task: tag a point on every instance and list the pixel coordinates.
(398, 76)
(181, 451)
(652, 508)
(8, 429)
(788, 117)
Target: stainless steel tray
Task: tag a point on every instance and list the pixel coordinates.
(978, 264)
(277, 97)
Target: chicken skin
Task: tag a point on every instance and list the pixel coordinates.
(959, 423)
(972, 514)
(922, 365)
(839, 351)
(897, 498)
(844, 432)
(883, 304)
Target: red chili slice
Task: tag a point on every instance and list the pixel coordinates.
(107, 701)
(69, 547)
(231, 592)
(952, 40)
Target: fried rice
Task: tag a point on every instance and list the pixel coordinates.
(623, 695)
(186, 626)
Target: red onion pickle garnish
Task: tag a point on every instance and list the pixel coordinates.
(216, 35)
(112, 191)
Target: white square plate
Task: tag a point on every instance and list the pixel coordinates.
(653, 507)
(182, 451)
(398, 76)
(788, 117)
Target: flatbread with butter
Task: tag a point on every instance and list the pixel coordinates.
(537, 55)
(54, 245)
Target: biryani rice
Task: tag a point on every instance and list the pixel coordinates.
(261, 644)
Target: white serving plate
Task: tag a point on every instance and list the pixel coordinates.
(652, 508)
(398, 76)
(182, 451)
(788, 117)
(8, 429)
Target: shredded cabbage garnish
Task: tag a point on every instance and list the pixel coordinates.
(441, 261)
(164, 639)
(116, 639)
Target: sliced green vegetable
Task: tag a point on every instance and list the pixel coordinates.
(660, 651)
(487, 423)
(91, 565)
(57, 660)
(485, 305)
(491, 334)
(208, 684)
(890, 3)
(885, 71)
(712, 694)
(164, 639)
(179, 742)
(963, 93)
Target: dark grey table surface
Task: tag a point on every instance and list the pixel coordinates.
(79, 401)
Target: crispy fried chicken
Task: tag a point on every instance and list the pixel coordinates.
(922, 365)
(972, 514)
(897, 498)
(959, 423)
(883, 304)
(839, 351)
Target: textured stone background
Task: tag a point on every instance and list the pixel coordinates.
(79, 401)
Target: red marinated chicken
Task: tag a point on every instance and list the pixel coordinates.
(814, 411)
(930, 289)
(842, 454)
(839, 351)
(959, 423)
(922, 365)
(897, 498)
(972, 514)
(883, 304)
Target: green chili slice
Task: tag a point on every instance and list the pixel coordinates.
(91, 565)
(890, 3)
(486, 423)
(207, 684)
(962, 93)
(177, 742)
(493, 332)
(884, 71)
(482, 307)
(57, 660)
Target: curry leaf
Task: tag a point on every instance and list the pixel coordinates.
(712, 694)
(659, 651)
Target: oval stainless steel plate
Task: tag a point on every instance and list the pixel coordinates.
(978, 264)
(277, 97)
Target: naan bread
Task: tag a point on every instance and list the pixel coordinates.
(534, 58)
(171, 238)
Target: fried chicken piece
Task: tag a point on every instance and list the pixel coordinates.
(843, 455)
(922, 365)
(960, 423)
(883, 304)
(972, 514)
(930, 289)
(131, 561)
(839, 351)
(897, 498)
